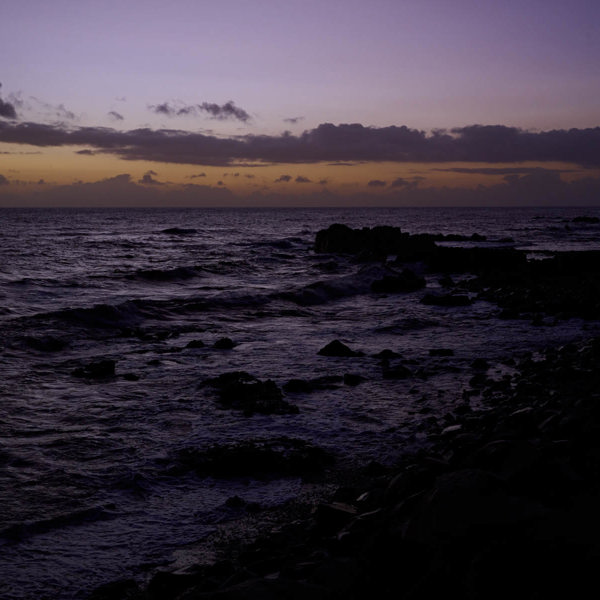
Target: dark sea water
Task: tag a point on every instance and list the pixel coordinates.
(86, 495)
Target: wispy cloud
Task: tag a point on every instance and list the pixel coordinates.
(377, 183)
(3, 180)
(283, 179)
(113, 114)
(302, 179)
(54, 111)
(293, 120)
(220, 112)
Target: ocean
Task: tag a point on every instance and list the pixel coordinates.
(92, 483)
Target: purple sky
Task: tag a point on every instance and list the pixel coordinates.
(258, 68)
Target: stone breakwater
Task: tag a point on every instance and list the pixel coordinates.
(501, 503)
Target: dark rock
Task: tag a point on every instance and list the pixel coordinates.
(480, 364)
(297, 386)
(165, 585)
(241, 391)
(325, 382)
(224, 343)
(450, 300)
(46, 343)
(179, 231)
(586, 219)
(269, 457)
(465, 502)
(373, 243)
(336, 348)
(101, 369)
(330, 518)
(476, 260)
(396, 372)
(387, 354)
(235, 502)
(353, 379)
(407, 281)
(196, 344)
(441, 352)
(123, 589)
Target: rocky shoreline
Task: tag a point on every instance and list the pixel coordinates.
(502, 503)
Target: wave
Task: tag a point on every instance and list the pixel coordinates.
(125, 314)
(162, 275)
(179, 231)
(407, 324)
(321, 292)
(18, 532)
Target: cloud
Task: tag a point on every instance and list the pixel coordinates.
(293, 120)
(377, 183)
(501, 170)
(163, 109)
(54, 111)
(196, 175)
(323, 182)
(148, 179)
(326, 143)
(113, 114)
(7, 110)
(302, 179)
(22, 153)
(119, 190)
(542, 188)
(85, 152)
(226, 111)
(283, 179)
(3, 180)
(220, 112)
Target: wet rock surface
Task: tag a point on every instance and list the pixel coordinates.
(262, 458)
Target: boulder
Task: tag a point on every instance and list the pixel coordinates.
(241, 391)
(376, 242)
(336, 348)
(224, 343)
(195, 344)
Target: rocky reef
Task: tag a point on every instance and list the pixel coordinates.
(501, 502)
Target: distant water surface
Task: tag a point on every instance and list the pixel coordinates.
(85, 494)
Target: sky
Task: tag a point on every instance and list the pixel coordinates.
(292, 103)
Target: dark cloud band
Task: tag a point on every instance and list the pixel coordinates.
(327, 142)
